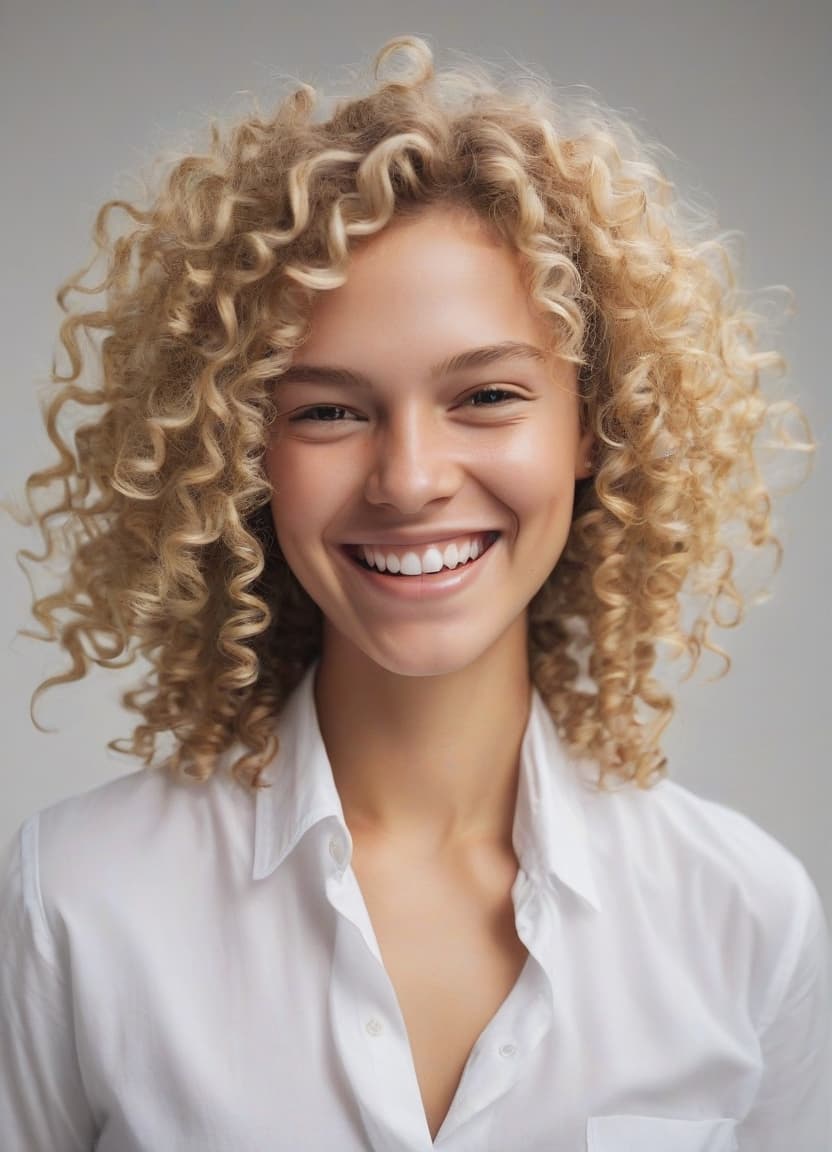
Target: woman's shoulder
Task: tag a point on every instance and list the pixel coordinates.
(672, 828)
(672, 825)
(142, 803)
(135, 829)
(713, 874)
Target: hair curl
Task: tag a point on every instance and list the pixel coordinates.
(164, 505)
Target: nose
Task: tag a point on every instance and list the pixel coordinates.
(413, 463)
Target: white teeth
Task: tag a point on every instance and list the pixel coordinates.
(432, 560)
(411, 565)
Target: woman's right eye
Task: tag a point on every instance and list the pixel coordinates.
(321, 413)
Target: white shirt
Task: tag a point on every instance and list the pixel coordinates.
(190, 967)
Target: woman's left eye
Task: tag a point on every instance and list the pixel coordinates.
(487, 397)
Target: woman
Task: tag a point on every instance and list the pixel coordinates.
(416, 421)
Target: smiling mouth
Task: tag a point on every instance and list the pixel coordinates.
(425, 563)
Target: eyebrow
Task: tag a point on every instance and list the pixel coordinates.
(472, 358)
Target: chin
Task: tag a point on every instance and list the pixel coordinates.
(420, 668)
(425, 659)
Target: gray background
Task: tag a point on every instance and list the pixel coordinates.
(91, 91)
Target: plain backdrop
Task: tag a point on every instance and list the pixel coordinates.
(737, 90)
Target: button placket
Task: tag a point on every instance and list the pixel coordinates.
(519, 1027)
(370, 1044)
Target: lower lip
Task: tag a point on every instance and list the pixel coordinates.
(429, 586)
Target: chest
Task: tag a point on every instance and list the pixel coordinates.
(449, 943)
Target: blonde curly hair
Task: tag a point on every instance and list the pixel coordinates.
(164, 503)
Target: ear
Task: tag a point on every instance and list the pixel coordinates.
(583, 459)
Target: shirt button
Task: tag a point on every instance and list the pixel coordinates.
(508, 1049)
(374, 1026)
(336, 849)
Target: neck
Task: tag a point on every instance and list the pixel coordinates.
(427, 761)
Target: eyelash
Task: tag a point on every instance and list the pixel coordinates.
(305, 414)
(502, 392)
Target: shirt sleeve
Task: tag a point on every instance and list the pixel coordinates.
(43, 1106)
(793, 1108)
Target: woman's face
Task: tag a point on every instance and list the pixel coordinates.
(381, 447)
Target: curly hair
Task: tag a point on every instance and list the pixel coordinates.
(164, 503)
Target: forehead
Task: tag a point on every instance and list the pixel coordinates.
(444, 275)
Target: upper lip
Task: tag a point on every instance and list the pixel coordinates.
(406, 539)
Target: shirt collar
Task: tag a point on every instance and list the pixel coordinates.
(550, 828)
(550, 833)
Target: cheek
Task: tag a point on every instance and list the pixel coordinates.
(535, 484)
(307, 493)
(293, 498)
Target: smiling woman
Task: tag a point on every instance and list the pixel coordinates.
(417, 421)
(408, 463)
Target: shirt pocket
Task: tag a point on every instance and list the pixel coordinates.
(659, 1134)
